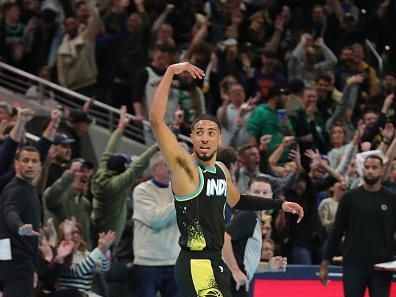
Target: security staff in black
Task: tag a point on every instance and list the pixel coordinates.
(201, 187)
(366, 216)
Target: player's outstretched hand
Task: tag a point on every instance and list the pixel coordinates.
(185, 66)
(293, 208)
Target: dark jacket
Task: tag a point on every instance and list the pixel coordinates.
(19, 205)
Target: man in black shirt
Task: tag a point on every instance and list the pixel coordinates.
(20, 215)
(367, 216)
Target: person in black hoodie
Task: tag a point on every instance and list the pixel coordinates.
(20, 215)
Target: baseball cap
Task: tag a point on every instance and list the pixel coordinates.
(62, 138)
(296, 85)
(118, 162)
(78, 116)
(6, 106)
(349, 17)
(277, 90)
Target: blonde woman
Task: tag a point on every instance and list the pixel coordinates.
(81, 264)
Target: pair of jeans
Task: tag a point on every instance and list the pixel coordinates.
(307, 255)
(148, 280)
(18, 287)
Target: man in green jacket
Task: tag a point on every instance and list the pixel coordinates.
(66, 197)
(112, 182)
(266, 120)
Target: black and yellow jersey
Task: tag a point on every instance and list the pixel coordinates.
(200, 215)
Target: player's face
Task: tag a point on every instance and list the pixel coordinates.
(206, 138)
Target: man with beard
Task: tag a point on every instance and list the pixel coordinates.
(367, 217)
(201, 187)
(265, 120)
(388, 86)
(345, 68)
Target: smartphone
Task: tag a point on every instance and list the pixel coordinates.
(294, 146)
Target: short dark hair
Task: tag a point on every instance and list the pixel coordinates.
(79, 3)
(226, 82)
(309, 88)
(348, 47)
(206, 117)
(324, 77)
(246, 147)
(165, 48)
(259, 179)
(374, 157)
(369, 110)
(7, 6)
(389, 73)
(26, 148)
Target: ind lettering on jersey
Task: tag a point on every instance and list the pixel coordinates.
(216, 187)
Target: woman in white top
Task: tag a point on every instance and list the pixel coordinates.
(338, 140)
(328, 207)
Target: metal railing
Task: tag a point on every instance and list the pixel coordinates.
(106, 116)
(378, 59)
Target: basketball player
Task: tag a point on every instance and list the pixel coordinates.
(201, 187)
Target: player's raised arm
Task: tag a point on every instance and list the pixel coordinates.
(179, 160)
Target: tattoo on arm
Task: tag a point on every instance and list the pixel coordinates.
(183, 164)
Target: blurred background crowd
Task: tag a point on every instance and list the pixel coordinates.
(294, 85)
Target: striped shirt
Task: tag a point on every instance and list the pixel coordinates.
(79, 274)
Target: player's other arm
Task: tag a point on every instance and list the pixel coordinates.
(248, 202)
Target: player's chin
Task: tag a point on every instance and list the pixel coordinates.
(205, 156)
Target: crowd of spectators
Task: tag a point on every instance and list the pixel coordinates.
(298, 101)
